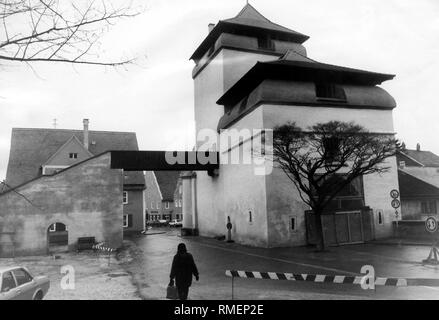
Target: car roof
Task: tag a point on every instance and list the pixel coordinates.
(5, 269)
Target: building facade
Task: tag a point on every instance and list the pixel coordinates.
(252, 74)
(418, 173)
(162, 196)
(39, 157)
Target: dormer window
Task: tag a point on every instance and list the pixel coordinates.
(330, 91)
(73, 155)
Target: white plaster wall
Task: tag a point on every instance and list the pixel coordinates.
(378, 121)
(238, 63)
(213, 203)
(376, 188)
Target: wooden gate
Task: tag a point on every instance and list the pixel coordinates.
(342, 227)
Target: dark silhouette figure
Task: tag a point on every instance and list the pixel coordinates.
(183, 267)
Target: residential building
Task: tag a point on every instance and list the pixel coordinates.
(62, 160)
(162, 202)
(418, 173)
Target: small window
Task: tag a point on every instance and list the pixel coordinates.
(380, 217)
(8, 282)
(428, 207)
(158, 205)
(125, 221)
(73, 155)
(293, 226)
(330, 91)
(152, 205)
(125, 197)
(22, 277)
(166, 205)
(250, 216)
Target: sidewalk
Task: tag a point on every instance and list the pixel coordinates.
(403, 242)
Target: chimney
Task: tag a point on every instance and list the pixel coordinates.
(418, 147)
(85, 122)
(211, 26)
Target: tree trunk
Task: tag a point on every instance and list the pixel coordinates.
(319, 231)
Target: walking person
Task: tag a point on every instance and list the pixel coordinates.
(183, 267)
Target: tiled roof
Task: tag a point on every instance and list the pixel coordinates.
(426, 158)
(411, 187)
(31, 148)
(167, 182)
(249, 16)
(293, 65)
(248, 19)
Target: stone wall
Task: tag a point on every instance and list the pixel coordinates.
(87, 198)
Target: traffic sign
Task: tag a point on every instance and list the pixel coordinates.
(431, 224)
(396, 204)
(394, 193)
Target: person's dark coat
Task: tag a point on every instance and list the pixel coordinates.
(183, 267)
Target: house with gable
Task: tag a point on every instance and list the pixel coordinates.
(59, 181)
(163, 196)
(418, 174)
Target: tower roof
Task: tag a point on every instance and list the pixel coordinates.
(293, 65)
(248, 19)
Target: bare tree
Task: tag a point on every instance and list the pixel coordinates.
(57, 30)
(327, 158)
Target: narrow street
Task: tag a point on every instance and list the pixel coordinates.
(152, 257)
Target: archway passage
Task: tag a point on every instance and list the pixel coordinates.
(57, 237)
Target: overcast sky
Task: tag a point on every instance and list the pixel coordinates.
(155, 97)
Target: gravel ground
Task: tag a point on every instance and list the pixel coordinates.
(95, 278)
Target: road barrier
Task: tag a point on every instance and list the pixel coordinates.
(338, 279)
(102, 247)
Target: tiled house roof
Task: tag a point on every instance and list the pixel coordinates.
(31, 148)
(412, 187)
(167, 182)
(248, 19)
(425, 158)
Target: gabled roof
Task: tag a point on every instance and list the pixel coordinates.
(31, 148)
(247, 20)
(73, 139)
(167, 182)
(295, 66)
(412, 187)
(425, 158)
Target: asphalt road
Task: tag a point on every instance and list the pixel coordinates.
(152, 256)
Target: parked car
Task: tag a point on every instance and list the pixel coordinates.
(163, 222)
(16, 283)
(176, 223)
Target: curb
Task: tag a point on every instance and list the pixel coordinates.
(402, 243)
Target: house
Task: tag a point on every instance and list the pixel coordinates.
(251, 73)
(162, 196)
(418, 174)
(60, 181)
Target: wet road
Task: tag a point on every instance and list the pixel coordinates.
(152, 256)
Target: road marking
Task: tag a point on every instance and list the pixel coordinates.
(276, 259)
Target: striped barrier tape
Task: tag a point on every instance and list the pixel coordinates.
(100, 246)
(321, 278)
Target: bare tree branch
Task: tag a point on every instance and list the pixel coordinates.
(65, 31)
